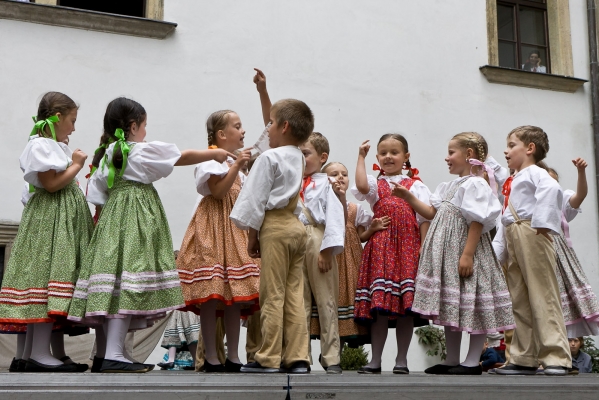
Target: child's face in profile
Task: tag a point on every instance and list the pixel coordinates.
(234, 133)
(65, 126)
(137, 133)
(339, 173)
(516, 152)
(314, 160)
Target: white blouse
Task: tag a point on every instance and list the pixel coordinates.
(419, 189)
(569, 212)
(205, 170)
(536, 196)
(363, 216)
(324, 206)
(501, 175)
(146, 163)
(42, 154)
(275, 179)
(474, 198)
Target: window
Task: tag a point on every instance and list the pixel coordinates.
(522, 35)
(132, 8)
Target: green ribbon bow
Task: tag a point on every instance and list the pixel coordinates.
(125, 149)
(40, 125)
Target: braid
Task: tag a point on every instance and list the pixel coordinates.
(105, 140)
(409, 168)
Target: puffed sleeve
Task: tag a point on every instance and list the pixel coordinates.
(149, 162)
(204, 171)
(479, 204)
(41, 155)
(569, 212)
(363, 217)
(372, 196)
(422, 193)
(97, 187)
(437, 198)
(500, 245)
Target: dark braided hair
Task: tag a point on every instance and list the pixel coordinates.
(51, 104)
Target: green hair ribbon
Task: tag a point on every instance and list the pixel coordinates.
(125, 148)
(41, 125)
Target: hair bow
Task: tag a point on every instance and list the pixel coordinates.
(125, 149)
(375, 167)
(414, 172)
(41, 125)
(489, 170)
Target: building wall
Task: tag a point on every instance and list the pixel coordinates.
(365, 68)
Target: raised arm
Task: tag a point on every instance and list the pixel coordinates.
(260, 81)
(361, 178)
(426, 210)
(191, 157)
(54, 181)
(582, 188)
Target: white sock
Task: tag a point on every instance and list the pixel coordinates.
(116, 330)
(403, 333)
(474, 351)
(100, 342)
(57, 345)
(40, 348)
(453, 342)
(172, 353)
(28, 342)
(21, 337)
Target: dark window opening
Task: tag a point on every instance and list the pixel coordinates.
(523, 35)
(133, 8)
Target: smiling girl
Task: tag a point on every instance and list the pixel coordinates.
(213, 264)
(460, 284)
(385, 288)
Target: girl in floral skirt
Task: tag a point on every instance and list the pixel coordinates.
(460, 284)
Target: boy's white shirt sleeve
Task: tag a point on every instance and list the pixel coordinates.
(334, 230)
(372, 196)
(250, 207)
(548, 208)
(500, 245)
(569, 212)
(422, 193)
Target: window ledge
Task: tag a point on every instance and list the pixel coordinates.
(518, 77)
(84, 19)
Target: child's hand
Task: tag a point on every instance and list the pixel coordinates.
(364, 148)
(544, 232)
(380, 224)
(400, 191)
(325, 260)
(243, 157)
(580, 163)
(466, 266)
(339, 191)
(221, 155)
(260, 81)
(79, 158)
(253, 247)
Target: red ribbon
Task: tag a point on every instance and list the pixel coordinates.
(375, 167)
(506, 190)
(307, 181)
(414, 171)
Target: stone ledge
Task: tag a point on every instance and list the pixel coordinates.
(517, 77)
(83, 19)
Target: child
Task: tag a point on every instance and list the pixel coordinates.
(359, 228)
(532, 216)
(213, 264)
(385, 289)
(581, 361)
(579, 303)
(55, 229)
(269, 204)
(460, 284)
(129, 271)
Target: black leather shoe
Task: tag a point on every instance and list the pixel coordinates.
(80, 367)
(368, 370)
(213, 367)
(255, 367)
(34, 366)
(21, 365)
(439, 369)
(401, 370)
(97, 364)
(166, 365)
(14, 365)
(230, 366)
(112, 366)
(462, 370)
(299, 367)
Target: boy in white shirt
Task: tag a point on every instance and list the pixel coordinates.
(269, 205)
(323, 215)
(532, 215)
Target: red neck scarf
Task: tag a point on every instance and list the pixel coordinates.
(414, 171)
(305, 184)
(506, 190)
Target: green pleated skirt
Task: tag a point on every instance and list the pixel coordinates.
(129, 268)
(46, 257)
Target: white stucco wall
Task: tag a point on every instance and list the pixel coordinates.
(365, 68)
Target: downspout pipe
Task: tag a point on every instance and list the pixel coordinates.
(591, 17)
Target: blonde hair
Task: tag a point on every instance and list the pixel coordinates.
(533, 134)
(477, 143)
(217, 121)
(324, 169)
(297, 114)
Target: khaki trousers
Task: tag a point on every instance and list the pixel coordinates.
(254, 336)
(325, 289)
(540, 331)
(282, 316)
(508, 334)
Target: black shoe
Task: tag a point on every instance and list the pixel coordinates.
(21, 365)
(14, 365)
(463, 370)
(34, 366)
(556, 370)
(230, 366)
(368, 370)
(213, 367)
(150, 367)
(187, 368)
(513, 369)
(573, 371)
(80, 367)
(166, 365)
(439, 369)
(299, 367)
(401, 370)
(255, 367)
(333, 369)
(97, 364)
(114, 367)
